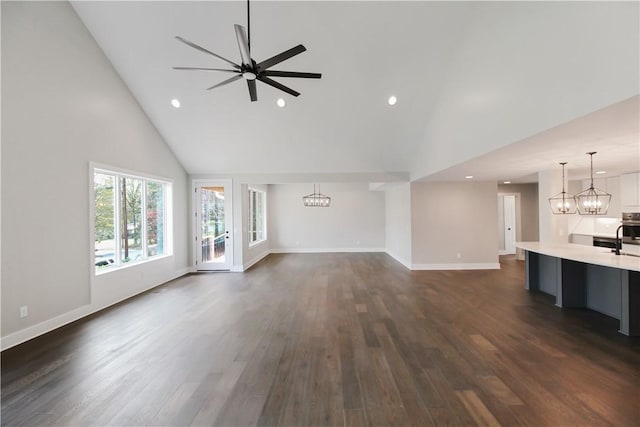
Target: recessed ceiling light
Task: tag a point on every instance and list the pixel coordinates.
(469, 177)
(175, 103)
(281, 103)
(507, 182)
(392, 100)
(601, 172)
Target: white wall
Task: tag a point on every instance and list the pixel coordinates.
(64, 106)
(355, 221)
(528, 66)
(451, 219)
(398, 222)
(253, 254)
(552, 228)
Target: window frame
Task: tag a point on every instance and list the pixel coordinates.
(250, 229)
(167, 201)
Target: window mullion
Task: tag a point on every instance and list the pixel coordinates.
(117, 219)
(143, 219)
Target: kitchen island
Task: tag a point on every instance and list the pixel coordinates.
(586, 277)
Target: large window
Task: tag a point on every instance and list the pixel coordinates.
(130, 219)
(257, 216)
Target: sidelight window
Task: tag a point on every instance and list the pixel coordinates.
(257, 216)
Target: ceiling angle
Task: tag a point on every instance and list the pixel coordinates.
(249, 69)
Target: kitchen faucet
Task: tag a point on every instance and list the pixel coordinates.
(618, 240)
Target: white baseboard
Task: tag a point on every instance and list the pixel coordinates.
(400, 260)
(42, 328)
(49, 325)
(456, 266)
(322, 250)
(180, 273)
(255, 260)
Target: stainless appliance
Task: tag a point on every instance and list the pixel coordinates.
(631, 228)
(604, 242)
(630, 234)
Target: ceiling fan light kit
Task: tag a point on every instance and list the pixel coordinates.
(563, 203)
(249, 69)
(593, 201)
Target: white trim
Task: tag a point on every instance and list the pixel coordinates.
(401, 260)
(42, 328)
(131, 264)
(257, 244)
(229, 220)
(101, 167)
(49, 325)
(322, 250)
(457, 266)
(504, 252)
(167, 193)
(252, 244)
(255, 260)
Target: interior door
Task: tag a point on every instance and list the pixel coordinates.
(213, 236)
(510, 224)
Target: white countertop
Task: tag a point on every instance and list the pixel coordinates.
(587, 254)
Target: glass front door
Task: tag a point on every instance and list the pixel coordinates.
(213, 239)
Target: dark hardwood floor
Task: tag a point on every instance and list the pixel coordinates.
(330, 339)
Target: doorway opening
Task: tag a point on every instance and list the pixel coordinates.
(507, 223)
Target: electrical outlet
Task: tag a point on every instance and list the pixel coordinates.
(459, 255)
(24, 311)
(358, 243)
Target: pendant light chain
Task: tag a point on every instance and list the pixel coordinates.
(591, 156)
(563, 192)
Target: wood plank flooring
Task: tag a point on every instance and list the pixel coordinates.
(330, 340)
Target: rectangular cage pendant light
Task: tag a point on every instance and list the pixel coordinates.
(593, 201)
(316, 200)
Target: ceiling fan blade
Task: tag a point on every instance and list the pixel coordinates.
(267, 63)
(253, 93)
(232, 79)
(201, 49)
(274, 73)
(241, 35)
(277, 85)
(205, 69)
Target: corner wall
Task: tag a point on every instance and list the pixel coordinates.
(64, 106)
(398, 223)
(253, 254)
(454, 225)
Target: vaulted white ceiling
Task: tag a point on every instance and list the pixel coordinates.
(422, 52)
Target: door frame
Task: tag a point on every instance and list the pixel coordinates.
(516, 221)
(228, 218)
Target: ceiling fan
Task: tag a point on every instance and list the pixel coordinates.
(249, 69)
